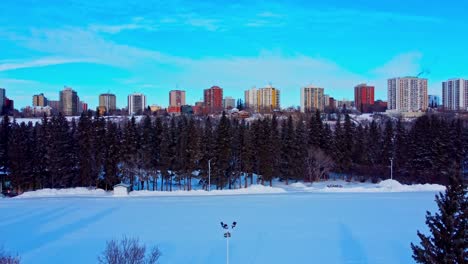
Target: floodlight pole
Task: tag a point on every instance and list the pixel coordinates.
(391, 168)
(227, 249)
(209, 175)
(227, 235)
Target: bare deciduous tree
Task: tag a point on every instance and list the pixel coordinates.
(318, 164)
(128, 251)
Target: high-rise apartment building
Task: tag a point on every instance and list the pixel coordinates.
(250, 99)
(2, 98)
(213, 100)
(268, 99)
(434, 101)
(108, 102)
(455, 94)
(40, 100)
(69, 102)
(229, 102)
(407, 94)
(136, 104)
(326, 100)
(312, 98)
(176, 98)
(363, 97)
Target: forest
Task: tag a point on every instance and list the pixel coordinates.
(167, 152)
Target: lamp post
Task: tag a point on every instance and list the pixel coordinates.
(209, 175)
(227, 235)
(391, 168)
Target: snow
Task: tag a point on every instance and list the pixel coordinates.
(278, 187)
(291, 227)
(70, 192)
(254, 189)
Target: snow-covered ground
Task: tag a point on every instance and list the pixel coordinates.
(288, 227)
(337, 186)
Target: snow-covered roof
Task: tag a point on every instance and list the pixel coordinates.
(122, 185)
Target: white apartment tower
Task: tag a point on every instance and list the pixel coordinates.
(136, 103)
(407, 94)
(250, 97)
(455, 94)
(312, 98)
(268, 99)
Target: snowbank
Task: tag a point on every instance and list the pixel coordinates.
(398, 187)
(254, 189)
(357, 187)
(278, 187)
(72, 192)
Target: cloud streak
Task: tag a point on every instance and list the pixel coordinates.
(42, 62)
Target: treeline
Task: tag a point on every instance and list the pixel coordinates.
(162, 153)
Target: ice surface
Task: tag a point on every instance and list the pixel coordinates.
(292, 227)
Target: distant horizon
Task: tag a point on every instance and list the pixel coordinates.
(157, 46)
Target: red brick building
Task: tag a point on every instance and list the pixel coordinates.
(174, 110)
(363, 97)
(213, 100)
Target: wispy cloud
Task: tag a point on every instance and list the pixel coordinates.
(13, 65)
(407, 64)
(136, 23)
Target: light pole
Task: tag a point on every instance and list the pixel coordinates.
(209, 175)
(391, 168)
(227, 235)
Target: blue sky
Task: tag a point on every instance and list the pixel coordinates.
(156, 46)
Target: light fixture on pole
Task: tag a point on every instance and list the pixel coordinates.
(227, 235)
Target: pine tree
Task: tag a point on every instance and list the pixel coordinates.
(4, 138)
(387, 145)
(111, 155)
(401, 147)
(193, 152)
(275, 146)
(265, 154)
(222, 153)
(447, 242)
(300, 151)
(157, 136)
(86, 160)
(287, 150)
(130, 148)
(248, 154)
(145, 152)
(206, 150)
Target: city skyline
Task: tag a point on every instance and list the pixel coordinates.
(107, 47)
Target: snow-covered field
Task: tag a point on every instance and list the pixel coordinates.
(288, 227)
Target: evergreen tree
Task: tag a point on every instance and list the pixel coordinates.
(300, 151)
(401, 147)
(111, 155)
(265, 155)
(248, 153)
(287, 150)
(275, 146)
(387, 145)
(207, 149)
(130, 149)
(4, 153)
(447, 242)
(222, 152)
(86, 161)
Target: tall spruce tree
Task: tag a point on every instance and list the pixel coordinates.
(448, 241)
(5, 128)
(222, 152)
